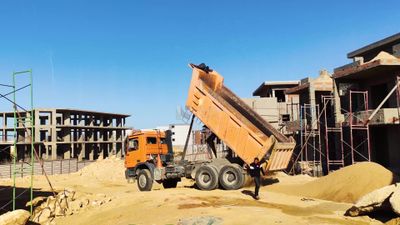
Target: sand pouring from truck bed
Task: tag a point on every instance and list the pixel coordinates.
(345, 185)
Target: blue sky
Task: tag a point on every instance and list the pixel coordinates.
(131, 56)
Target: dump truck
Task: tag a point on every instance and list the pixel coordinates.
(245, 132)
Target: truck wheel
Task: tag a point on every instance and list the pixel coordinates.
(170, 183)
(231, 177)
(206, 178)
(144, 180)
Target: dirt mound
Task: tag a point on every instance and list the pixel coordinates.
(65, 203)
(109, 169)
(345, 185)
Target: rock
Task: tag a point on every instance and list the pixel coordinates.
(395, 202)
(201, 220)
(378, 199)
(36, 201)
(97, 203)
(42, 215)
(395, 221)
(16, 217)
(85, 202)
(68, 193)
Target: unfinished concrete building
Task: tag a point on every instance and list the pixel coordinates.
(308, 131)
(368, 101)
(274, 105)
(65, 133)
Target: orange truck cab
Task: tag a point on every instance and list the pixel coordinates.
(147, 159)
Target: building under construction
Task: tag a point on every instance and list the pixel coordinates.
(346, 117)
(64, 133)
(369, 88)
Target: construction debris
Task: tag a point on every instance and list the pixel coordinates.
(66, 203)
(380, 199)
(16, 217)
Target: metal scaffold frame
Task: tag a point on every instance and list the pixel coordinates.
(311, 128)
(29, 126)
(359, 127)
(335, 129)
(304, 143)
(13, 150)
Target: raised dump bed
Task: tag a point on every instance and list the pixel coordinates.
(234, 122)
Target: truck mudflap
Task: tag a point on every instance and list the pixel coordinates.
(280, 156)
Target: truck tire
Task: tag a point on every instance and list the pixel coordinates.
(172, 183)
(144, 180)
(206, 178)
(231, 177)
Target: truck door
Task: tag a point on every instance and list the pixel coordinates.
(134, 154)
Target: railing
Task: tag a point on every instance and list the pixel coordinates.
(52, 167)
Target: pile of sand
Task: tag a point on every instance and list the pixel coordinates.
(109, 169)
(345, 185)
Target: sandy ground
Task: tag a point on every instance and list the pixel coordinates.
(184, 204)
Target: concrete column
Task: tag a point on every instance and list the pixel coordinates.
(53, 151)
(314, 112)
(67, 153)
(91, 151)
(37, 125)
(47, 152)
(82, 152)
(53, 122)
(339, 118)
(4, 138)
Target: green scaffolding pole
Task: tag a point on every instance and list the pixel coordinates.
(31, 120)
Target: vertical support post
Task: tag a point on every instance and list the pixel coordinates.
(301, 132)
(367, 126)
(326, 136)
(32, 121)
(187, 138)
(15, 155)
(398, 98)
(30, 131)
(351, 126)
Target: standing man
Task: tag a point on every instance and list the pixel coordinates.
(255, 170)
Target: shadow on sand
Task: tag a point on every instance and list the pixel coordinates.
(22, 197)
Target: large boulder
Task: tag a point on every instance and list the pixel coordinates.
(376, 200)
(16, 217)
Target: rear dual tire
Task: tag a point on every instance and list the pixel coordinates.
(206, 178)
(231, 177)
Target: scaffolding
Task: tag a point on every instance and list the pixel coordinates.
(352, 135)
(360, 149)
(331, 128)
(310, 139)
(27, 125)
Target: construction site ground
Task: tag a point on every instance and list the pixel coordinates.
(284, 199)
